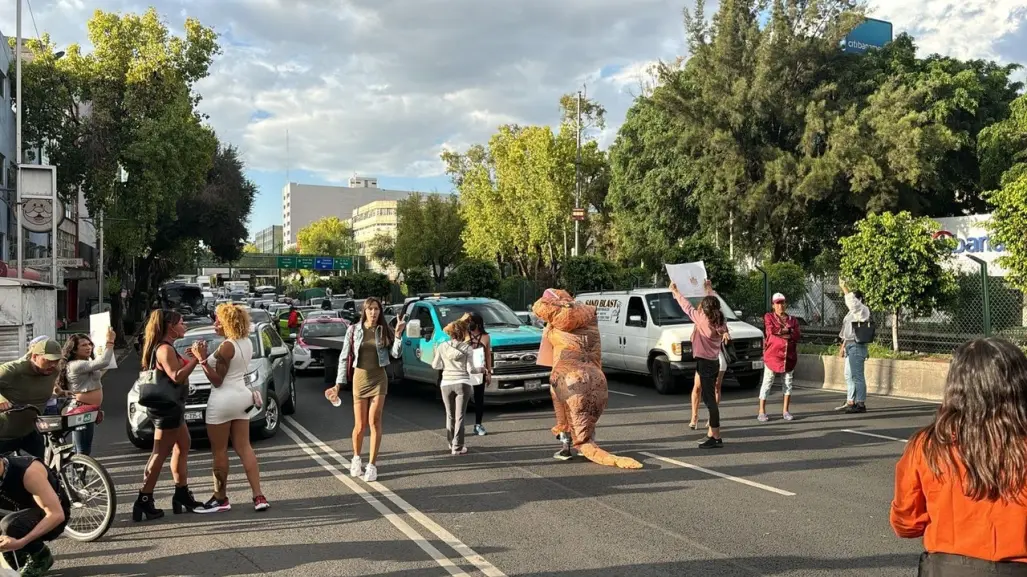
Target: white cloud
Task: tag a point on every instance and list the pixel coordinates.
(379, 87)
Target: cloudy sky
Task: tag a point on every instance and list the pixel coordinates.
(380, 87)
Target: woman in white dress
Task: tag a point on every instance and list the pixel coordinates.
(230, 401)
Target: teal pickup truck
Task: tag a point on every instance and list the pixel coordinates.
(516, 376)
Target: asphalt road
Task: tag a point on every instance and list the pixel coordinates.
(801, 498)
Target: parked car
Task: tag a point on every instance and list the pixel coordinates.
(321, 314)
(306, 356)
(270, 372)
(260, 316)
(645, 331)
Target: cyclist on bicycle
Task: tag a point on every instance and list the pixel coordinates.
(41, 510)
(27, 381)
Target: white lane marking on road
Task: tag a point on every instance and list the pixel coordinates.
(875, 435)
(622, 393)
(391, 517)
(469, 555)
(721, 475)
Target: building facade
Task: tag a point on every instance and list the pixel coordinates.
(269, 240)
(303, 204)
(8, 148)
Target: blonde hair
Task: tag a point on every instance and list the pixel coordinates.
(235, 321)
(460, 329)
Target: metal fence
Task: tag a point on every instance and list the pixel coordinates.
(979, 307)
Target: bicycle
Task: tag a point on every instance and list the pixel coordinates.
(74, 471)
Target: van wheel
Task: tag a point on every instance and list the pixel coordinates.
(663, 378)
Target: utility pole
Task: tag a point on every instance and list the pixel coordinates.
(18, 155)
(577, 184)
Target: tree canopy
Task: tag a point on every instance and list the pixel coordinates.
(328, 236)
(429, 233)
(131, 102)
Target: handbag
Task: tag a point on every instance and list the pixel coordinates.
(864, 331)
(478, 362)
(349, 359)
(156, 390)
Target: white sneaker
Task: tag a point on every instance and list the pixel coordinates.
(356, 467)
(371, 474)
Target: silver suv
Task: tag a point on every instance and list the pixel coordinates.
(271, 372)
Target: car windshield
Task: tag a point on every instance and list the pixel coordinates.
(666, 311)
(259, 316)
(213, 342)
(494, 313)
(336, 329)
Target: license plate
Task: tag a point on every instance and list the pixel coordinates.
(532, 385)
(757, 364)
(194, 416)
(81, 419)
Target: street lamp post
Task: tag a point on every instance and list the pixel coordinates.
(17, 139)
(577, 183)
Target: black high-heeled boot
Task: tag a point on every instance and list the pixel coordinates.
(184, 502)
(144, 507)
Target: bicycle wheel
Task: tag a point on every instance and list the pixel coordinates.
(93, 497)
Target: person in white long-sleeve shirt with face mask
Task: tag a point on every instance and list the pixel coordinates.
(455, 358)
(855, 354)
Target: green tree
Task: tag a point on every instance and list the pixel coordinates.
(653, 179)
(328, 236)
(899, 266)
(382, 249)
(371, 284)
(1003, 151)
(138, 85)
(478, 277)
(418, 281)
(719, 267)
(587, 273)
(250, 248)
(429, 233)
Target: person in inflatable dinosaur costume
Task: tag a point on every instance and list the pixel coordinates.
(577, 383)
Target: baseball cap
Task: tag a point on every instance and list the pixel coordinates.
(778, 298)
(49, 349)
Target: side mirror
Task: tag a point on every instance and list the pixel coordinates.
(278, 352)
(414, 329)
(292, 336)
(737, 313)
(635, 319)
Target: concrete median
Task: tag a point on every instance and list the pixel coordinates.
(913, 379)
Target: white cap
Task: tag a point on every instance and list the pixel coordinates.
(778, 298)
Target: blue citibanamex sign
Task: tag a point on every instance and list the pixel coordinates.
(868, 35)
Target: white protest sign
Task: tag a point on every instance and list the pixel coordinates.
(690, 278)
(98, 325)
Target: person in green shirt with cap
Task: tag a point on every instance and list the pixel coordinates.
(27, 381)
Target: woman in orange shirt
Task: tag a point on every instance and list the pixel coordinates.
(962, 482)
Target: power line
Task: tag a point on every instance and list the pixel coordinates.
(32, 15)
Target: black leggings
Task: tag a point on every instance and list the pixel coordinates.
(479, 403)
(708, 371)
(19, 524)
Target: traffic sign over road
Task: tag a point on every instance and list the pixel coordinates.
(343, 263)
(287, 262)
(323, 263)
(305, 262)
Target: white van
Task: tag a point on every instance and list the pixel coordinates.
(644, 331)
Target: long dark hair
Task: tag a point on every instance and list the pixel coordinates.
(710, 306)
(156, 331)
(386, 332)
(477, 322)
(68, 354)
(982, 421)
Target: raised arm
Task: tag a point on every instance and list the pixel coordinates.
(683, 302)
(216, 374)
(173, 367)
(83, 367)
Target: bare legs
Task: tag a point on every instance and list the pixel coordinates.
(218, 435)
(241, 444)
(367, 413)
(174, 442)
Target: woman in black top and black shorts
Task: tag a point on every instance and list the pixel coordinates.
(171, 435)
(480, 340)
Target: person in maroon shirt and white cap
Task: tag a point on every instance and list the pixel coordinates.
(780, 353)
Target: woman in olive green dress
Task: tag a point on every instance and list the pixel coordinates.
(365, 354)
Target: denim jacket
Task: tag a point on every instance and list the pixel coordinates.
(355, 333)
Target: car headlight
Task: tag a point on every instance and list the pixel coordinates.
(757, 344)
(253, 380)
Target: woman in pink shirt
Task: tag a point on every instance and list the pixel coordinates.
(708, 336)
